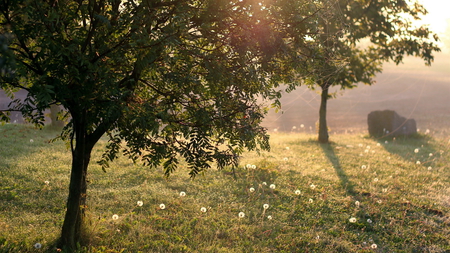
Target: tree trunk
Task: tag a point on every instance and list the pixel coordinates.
(71, 233)
(323, 128)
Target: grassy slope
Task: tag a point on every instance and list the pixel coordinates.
(404, 206)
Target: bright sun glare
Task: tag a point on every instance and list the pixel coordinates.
(438, 16)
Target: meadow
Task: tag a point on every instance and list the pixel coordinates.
(356, 194)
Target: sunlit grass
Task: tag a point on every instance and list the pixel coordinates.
(356, 194)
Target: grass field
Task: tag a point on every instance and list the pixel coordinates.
(356, 194)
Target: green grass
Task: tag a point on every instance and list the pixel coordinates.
(403, 206)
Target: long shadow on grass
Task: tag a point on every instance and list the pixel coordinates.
(331, 155)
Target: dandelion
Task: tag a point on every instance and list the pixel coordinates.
(363, 167)
(31, 140)
(368, 147)
(285, 159)
(294, 127)
(266, 206)
(360, 145)
(203, 209)
(379, 201)
(162, 206)
(369, 221)
(378, 144)
(374, 246)
(385, 190)
(287, 148)
(311, 200)
(312, 186)
(272, 186)
(182, 194)
(46, 182)
(375, 179)
(140, 203)
(241, 215)
(366, 151)
(430, 154)
(352, 220)
(297, 192)
(253, 167)
(115, 217)
(357, 203)
(418, 162)
(264, 183)
(416, 150)
(251, 189)
(248, 166)
(429, 168)
(386, 142)
(38, 245)
(269, 217)
(302, 126)
(427, 131)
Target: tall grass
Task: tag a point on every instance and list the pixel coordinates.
(356, 194)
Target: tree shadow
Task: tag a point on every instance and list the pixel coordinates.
(334, 160)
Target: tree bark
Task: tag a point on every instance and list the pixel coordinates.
(323, 128)
(71, 233)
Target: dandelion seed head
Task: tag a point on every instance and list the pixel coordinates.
(46, 182)
(312, 186)
(379, 201)
(297, 192)
(386, 142)
(253, 167)
(357, 203)
(241, 215)
(287, 148)
(248, 166)
(37, 245)
(311, 200)
(375, 179)
(31, 140)
(264, 183)
(352, 220)
(418, 162)
(272, 186)
(374, 246)
(140, 203)
(369, 221)
(416, 150)
(115, 217)
(182, 194)
(285, 159)
(162, 206)
(430, 154)
(203, 209)
(363, 167)
(266, 206)
(251, 189)
(269, 217)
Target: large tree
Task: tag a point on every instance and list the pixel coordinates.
(353, 40)
(163, 80)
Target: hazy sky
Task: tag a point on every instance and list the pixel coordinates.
(439, 19)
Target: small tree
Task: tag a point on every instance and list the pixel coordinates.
(355, 38)
(167, 79)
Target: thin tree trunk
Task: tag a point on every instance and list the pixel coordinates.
(323, 128)
(71, 233)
